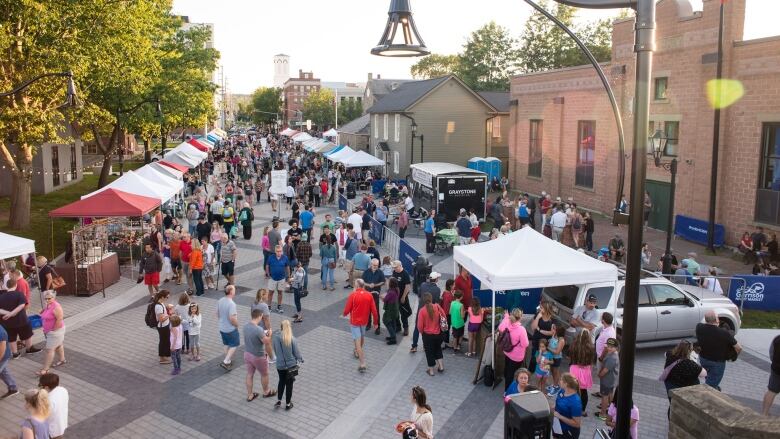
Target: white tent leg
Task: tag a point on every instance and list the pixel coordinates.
(493, 331)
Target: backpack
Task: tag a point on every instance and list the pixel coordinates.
(151, 317)
(227, 212)
(522, 211)
(577, 224)
(505, 341)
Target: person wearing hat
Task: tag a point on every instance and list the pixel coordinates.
(609, 368)
(463, 225)
(616, 248)
(430, 287)
(586, 316)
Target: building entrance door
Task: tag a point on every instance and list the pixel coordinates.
(659, 193)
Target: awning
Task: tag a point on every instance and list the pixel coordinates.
(341, 154)
(153, 173)
(302, 137)
(135, 184)
(287, 132)
(108, 203)
(188, 149)
(335, 150)
(361, 159)
(15, 246)
(181, 168)
(528, 259)
(202, 146)
(330, 133)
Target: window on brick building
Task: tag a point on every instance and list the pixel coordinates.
(672, 130)
(55, 165)
(535, 149)
(660, 87)
(496, 127)
(586, 153)
(768, 191)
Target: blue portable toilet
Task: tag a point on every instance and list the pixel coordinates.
(473, 163)
(493, 167)
(482, 165)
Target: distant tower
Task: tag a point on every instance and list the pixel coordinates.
(281, 69)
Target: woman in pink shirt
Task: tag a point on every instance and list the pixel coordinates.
(54, 331)
(519, 338)
(429, 324)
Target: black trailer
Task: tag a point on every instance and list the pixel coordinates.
(448, 188)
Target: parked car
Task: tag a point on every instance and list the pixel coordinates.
(668, 312)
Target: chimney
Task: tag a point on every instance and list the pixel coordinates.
(378, 76)
(370, 76)
(300, 73)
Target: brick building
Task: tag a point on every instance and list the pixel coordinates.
(563, 138)
(294, 93)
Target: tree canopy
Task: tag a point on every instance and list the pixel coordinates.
(319, 107)
(349, 110)
(266, 105)
(491, 55)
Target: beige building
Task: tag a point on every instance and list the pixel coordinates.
(455, 124)
(355, 134)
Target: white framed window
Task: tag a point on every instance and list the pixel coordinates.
(396, 160)
(397, 134)
(496, 127)
(450, 127)
(385, 120)
(376, 126)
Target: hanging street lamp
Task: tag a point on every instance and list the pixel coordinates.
(400, 38)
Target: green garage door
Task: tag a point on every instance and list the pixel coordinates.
(659, 193)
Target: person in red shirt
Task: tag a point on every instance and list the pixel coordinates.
(186, 248)
(324, 189)
(463, 283)
(447, 296)
(360, 304)
(22, 286)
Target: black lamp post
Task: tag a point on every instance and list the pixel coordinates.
(659, 148)
(71, 99)
(158, 113)
(422, 143)
(400, 19)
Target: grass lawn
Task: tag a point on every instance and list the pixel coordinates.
(40, 228)
(761, 319)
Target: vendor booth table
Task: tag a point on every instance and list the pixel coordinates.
(93, 277)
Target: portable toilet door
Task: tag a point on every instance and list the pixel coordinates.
(473, 163)
(493, 167)
(482, 165)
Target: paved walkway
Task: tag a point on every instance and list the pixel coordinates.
(118, 390)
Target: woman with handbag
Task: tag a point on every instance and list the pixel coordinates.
(518, 340)
(421, 423)
(680, 370)
(431, 321)
(288, 357)
(328, 257)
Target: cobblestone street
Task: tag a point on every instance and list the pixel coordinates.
(118, 389)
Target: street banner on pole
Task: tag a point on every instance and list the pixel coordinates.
(278, 182)
(407, 255)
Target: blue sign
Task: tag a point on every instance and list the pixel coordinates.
(525, 299)
(759, 292)
(378, 186)
(407, 255)
(376, 232)
(695, 230)
(342, 202)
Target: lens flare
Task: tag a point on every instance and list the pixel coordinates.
(724, 92)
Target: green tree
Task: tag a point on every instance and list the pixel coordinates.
(266, 105)
(319, 108)
(489, 58)
(91, 38)
(544, 46)
(349, 110)
(435, 65)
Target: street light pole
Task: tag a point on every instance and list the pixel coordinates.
(715, 140)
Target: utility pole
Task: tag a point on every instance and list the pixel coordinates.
(715, 140)
(337, 106)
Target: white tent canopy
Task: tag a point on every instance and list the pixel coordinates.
(361, 159)
(136, 184)
(325, 147)
(528, 259)
(341, 154)
(15, 246)
(302, 137)
(183, 158)
(288, 132)
(189, 149)
(173, 173)
(330, 133)
(156, 175)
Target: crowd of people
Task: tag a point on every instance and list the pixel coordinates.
(203, 250)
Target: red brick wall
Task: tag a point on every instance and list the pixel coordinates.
(681, 44)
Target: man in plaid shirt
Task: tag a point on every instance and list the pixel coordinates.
(303, 254)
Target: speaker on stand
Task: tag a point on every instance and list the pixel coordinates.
(527, 416)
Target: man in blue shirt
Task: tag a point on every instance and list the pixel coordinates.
(351, 247)
(361, 261)
(374, 279)
(430, 232)
(278, 268)
(381, 213)
(5, 357)
(307, 221)
(464, 228)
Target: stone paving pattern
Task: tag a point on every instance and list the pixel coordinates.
(118, 389)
